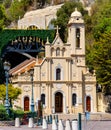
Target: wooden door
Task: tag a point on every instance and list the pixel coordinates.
(26, 104)
(58, 102)
(88, 103)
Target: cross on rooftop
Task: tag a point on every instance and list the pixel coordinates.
(57, 28)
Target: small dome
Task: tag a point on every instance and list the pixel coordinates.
(76, 13)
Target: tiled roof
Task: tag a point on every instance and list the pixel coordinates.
(24, 66)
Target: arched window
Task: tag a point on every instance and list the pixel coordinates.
(58, 52)
(43, 99)
(63, 51)
(52, 51)
(78, 38)
(74, 99)
(58, 74)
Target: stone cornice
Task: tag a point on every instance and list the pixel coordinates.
(47, 82)
(50, 58)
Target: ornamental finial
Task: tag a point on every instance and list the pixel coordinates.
(57, 30)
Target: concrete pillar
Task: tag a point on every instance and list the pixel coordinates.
(60, 126)
(68, 125)
(54, 125)
(44, 124)
(17, 122)
(74, 125)
(31, 124)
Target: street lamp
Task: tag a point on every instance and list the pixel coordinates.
(32, 98)
(7, 68)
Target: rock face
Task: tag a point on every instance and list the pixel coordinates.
(40, 18)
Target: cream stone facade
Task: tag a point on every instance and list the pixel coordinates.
(61, 79)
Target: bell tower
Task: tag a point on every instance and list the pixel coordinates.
(76, 34)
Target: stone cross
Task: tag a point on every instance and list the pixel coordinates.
(57, 30)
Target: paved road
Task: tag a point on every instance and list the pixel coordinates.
(97, 125)
(90, 125)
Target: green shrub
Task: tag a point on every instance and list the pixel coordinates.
(30, 114)
(3, 114)
(18, 113)
(14, 113)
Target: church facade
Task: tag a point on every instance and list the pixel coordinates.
(61, 79)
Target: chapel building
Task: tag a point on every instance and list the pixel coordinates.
(61, 79)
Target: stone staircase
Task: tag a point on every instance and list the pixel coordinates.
(93, 116)
(67, 116)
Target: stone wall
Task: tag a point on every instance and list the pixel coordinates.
(7, 123)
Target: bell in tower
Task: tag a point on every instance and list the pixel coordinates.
(76, 33)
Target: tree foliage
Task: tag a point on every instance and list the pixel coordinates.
(101, 21)
(7, 3)
(101, 59)
(63, 15)
(13, 92)
(98, 55)
(16, 10)
(2, 16)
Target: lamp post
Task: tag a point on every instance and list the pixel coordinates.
(32, 98)
(7, 68)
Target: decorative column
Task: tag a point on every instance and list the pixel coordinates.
(70, 97)
(64, 104)
(70, 69)
(47, 97)
(39, 91)
(47, 70)
(50, 98)
(50, 70)
(67, 70)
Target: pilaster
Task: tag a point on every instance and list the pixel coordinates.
(48, 98)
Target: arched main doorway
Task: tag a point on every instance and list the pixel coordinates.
(88, 103)
(58, 102)
(26, 104)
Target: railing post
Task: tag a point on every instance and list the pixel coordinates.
(79, 121)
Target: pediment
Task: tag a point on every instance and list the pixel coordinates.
(57, 41)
